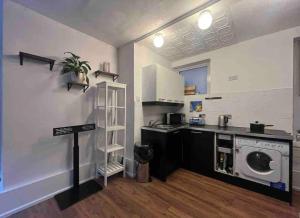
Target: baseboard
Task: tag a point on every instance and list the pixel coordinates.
(22, 197)
(296, 188)
(130, 166)
(34, 192)
(296, 180)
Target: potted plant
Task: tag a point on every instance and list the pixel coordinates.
(78, 69)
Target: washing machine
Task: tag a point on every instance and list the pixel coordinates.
(262, 161)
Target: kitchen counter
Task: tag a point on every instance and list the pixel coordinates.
(242, 131)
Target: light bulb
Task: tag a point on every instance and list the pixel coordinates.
(158, 41)
(205, 20)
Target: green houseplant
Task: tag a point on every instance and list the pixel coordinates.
(78, 69)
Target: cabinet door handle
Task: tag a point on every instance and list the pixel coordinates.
(196, 132)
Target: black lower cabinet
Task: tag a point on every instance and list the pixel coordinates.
(194, 151)
(167, 149)
(198, 151)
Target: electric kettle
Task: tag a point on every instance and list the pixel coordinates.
(223, 120)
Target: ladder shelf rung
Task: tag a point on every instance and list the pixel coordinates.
(111, 148)
(112, 168)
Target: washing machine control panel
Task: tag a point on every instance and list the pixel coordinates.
(282, 147)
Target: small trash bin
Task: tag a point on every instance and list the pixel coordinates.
(142, 155)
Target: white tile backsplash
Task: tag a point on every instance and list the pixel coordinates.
(267, 106)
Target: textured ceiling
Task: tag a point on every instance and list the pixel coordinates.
(234, 21)
(113, 21)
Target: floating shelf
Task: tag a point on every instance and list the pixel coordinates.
(112, 168)
(113, 75)
(36, 57)
(84, 86)
(213, 98)
(162, 103)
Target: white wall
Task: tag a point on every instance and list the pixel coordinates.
(268, 106)
(296, 85)
(296, 118)
(1, 85)
(126, 68)
(36, 100)
(263, 65)
(131, 60)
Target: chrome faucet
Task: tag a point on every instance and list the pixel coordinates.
(152, 123)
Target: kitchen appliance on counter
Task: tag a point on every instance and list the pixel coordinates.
(174, 118)
(198, 121)
(223, 120)
(263, 161)
(258, 127)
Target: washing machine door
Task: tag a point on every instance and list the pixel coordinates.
(262, 164)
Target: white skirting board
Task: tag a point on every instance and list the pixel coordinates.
(25, 196)
(130, 168)
(22, 197)
(296, 168)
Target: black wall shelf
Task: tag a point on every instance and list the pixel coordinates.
(113, 75)
(84, 86)
(213, 98)
(36, 57)
(161, 103)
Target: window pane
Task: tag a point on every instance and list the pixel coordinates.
(197, 77)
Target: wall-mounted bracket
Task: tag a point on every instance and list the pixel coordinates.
(84, 86)
(36, 57)
(113, 75)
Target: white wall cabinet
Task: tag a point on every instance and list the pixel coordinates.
(160, 84)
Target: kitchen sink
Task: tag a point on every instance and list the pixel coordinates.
(162, 126)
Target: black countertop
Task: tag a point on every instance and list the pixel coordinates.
(269, 133)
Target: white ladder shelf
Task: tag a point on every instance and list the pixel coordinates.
(110, 107)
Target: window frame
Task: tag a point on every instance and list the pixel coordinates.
(204, 63)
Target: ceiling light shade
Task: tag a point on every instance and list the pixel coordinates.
(205, 20)
(158, 41)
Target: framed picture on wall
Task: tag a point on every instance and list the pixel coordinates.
(196, 106)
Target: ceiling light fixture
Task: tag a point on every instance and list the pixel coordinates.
(205, 20)
(158, 40)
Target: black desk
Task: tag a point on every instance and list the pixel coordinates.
(77, 192)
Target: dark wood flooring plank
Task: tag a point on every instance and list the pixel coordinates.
(185, 194)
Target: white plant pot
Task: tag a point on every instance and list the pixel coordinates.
(81, 78)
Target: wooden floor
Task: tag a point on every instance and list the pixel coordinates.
(185, 194)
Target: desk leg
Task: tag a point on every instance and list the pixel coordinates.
(76, 161)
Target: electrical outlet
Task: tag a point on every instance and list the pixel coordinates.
(232, 78)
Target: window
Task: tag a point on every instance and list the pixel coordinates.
(196, 80)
